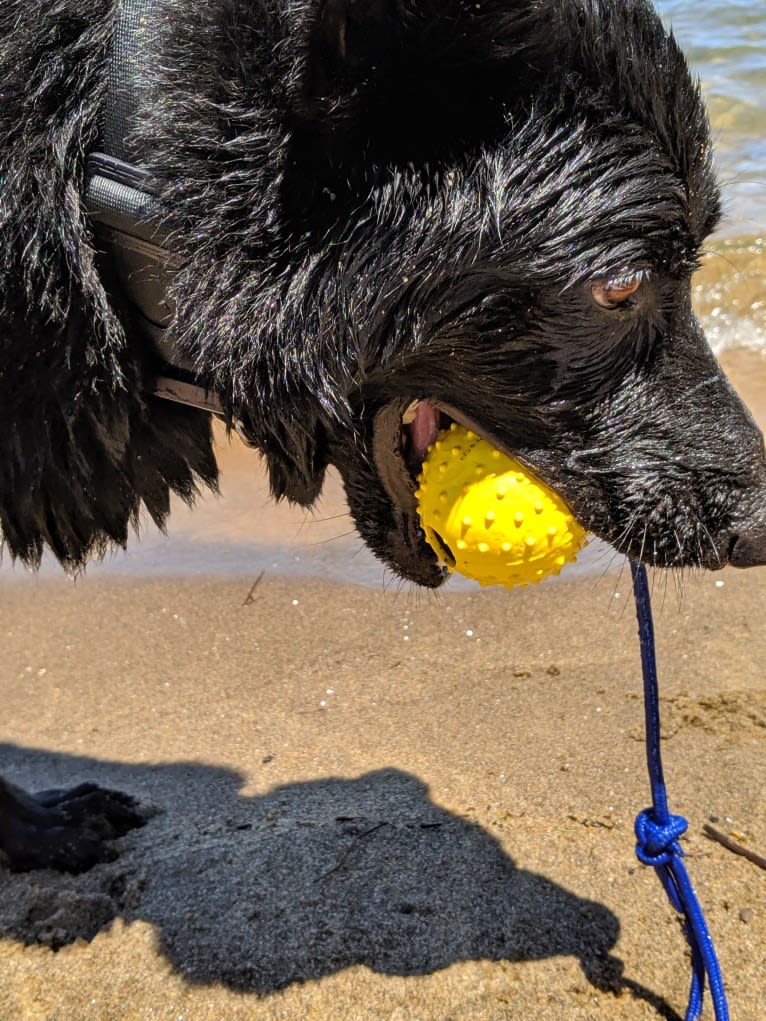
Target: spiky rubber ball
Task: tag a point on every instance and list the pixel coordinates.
(486, 517)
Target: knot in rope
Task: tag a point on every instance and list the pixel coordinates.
(656, 840)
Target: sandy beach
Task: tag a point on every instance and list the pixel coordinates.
(373, 802)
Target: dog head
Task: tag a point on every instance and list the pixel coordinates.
(527, 189)
(483, 212)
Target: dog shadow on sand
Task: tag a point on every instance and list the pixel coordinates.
(261, 892)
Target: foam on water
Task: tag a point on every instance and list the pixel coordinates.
(730, 294)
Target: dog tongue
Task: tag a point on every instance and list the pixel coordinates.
(424, 428)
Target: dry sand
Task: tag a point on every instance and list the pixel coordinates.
(375, 803)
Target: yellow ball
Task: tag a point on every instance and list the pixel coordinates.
(488, 518)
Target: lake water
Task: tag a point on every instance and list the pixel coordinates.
(725, 43)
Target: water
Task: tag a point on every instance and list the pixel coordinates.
(725, 43)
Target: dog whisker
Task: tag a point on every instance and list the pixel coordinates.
(311, 519)
(713, 545)
(642, 551)
(679, 583)
(336, 538)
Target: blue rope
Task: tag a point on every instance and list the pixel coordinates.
(658, 831)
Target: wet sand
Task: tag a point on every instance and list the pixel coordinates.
(375, 803)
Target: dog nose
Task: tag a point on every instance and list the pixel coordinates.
(748, 548)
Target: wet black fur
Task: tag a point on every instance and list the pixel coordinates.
(377, 201)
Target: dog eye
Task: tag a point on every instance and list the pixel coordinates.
(613, 294)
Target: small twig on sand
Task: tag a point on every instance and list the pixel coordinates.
(347, 852)
(249, 598)
(733, 846)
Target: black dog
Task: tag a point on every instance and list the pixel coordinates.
(381, 215)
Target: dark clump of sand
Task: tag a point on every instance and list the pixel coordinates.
(373, 802)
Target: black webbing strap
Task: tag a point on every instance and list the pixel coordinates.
(137, 30)
(126, 218)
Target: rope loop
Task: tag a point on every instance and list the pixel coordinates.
(658, 841)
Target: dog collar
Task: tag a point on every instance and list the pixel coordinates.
(126, 218)
(126, 221)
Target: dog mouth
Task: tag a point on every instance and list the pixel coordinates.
(403, 432)
(422, 422)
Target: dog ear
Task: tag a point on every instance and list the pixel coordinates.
(390, 70)
(337, 28)
(348, 36)
(414, 81)
(351, 34)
